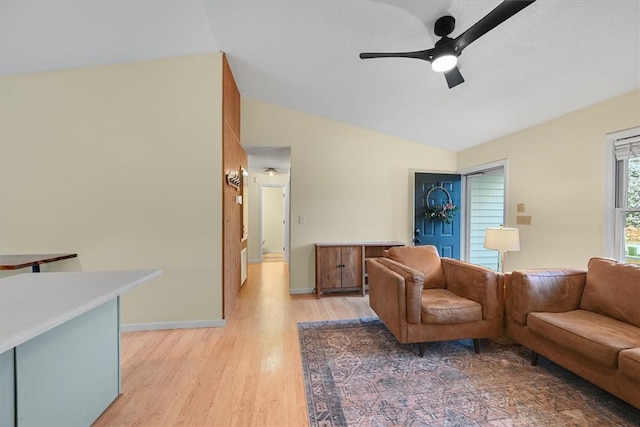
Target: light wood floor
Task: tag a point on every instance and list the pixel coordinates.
(248, 373)
(273, 257)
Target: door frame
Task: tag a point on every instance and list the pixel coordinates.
(412, 202)
(504, 163)
(285, 226)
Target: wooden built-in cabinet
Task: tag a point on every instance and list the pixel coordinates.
(234, 160)
(340, 267)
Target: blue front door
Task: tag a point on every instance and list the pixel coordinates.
(437, 212)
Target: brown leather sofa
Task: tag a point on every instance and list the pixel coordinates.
(587, 321)
(421, 297)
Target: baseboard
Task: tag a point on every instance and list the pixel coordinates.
(253, 261)
(301, 291)
(189, 324)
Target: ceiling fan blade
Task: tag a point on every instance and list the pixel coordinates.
(453, 76)
(425, 55)
(497, 16)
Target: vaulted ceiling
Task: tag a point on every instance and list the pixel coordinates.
(551, 58)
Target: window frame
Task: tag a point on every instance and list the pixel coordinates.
(614, 241)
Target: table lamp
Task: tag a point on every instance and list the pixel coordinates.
(503, 240)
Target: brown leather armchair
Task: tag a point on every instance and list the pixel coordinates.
(421, 297)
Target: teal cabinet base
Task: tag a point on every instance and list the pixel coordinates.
(69, 375)
(7, 389)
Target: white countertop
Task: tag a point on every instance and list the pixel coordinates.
(34, 303)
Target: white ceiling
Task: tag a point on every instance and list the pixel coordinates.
(551, 58)
(262, 158)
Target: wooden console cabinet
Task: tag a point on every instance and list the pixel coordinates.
(340, 267)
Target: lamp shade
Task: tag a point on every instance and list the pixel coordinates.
(502, 239)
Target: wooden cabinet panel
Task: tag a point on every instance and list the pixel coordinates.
(328, 267)
(341, 266)
(352, 264)
(230, 100)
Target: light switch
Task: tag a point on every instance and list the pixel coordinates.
(302, 219)
(520, 207)
(523, 219)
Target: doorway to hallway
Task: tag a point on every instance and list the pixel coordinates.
(273, 223)
(268, 239)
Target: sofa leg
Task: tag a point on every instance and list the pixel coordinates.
(534, 358)
(421, 347)
(476, 345)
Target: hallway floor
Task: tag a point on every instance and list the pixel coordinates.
(248, 373)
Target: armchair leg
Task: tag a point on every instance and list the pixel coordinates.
(421, 346)
(476, 345)
(534, 358)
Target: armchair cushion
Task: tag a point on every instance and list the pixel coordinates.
(422, 258)
(409, 274)
(440, 306)
(476, 283)
(413, 282)
(613, 289)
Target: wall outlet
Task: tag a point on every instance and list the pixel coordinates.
(520, 207)
(523, 219)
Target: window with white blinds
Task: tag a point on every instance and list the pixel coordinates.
(628, 147)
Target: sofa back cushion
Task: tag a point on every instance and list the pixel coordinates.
(422, 258)
(613, 289)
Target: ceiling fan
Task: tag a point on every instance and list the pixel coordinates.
(444, 55)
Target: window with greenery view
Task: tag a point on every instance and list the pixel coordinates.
(627, 153)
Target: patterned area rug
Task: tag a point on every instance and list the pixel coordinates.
(357, 374)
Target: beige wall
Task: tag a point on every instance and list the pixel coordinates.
(349, 183)
(557, 169)
(121, 164)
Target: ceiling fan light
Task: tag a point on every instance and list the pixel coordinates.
(444, 63)
(271, 171)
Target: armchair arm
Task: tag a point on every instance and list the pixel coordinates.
(384, 270)
(476, 283)
(553, 290)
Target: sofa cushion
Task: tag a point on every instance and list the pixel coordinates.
(613, 289)
(422, 258)
(442, 306)
(551, 290)
(629, 363)
(590, 334)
